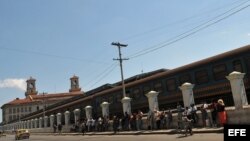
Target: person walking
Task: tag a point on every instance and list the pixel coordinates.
(54, 127)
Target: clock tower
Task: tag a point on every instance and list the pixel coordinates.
(74, 81)
(31, 87)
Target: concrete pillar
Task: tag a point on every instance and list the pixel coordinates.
(25, 124)
(66, 118)
(153, 100)
(76, 115)
(105, 109)
(36, 125)
(59, 118)
(22, 124)
(32, 123)
(238, 89)
(187, 94)
(40, 122)
(51, 120)
(126, 105)
(29, 124)
(18, 124)
(45, 121)
(88, 110)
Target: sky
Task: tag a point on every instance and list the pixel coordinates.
(52, 40)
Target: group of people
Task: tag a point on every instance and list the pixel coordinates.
(162, 119)
(57, 127)
(90, 125)
(218, 113)
(128, 122)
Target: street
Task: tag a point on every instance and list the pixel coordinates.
(154, 137)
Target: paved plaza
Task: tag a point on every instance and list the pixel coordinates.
(152, 137)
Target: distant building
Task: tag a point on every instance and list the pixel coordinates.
(33, 101)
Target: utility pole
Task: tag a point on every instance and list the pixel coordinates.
(120, 59)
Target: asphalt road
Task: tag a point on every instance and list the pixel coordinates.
(153, 137)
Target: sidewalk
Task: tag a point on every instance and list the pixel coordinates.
(143, 132)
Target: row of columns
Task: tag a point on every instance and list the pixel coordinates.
(37, 123)
(236, 82)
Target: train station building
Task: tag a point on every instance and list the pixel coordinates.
(225, 76)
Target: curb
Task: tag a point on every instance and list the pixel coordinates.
(146, 132)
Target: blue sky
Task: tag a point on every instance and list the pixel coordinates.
(51, 40)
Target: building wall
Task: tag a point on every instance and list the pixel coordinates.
(13, 112)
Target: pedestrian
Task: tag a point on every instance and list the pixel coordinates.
(169, 118)
(59, 128)
(116, 123)
(221, 112)
(54, 127)
(204, 115)
(214, 112)
(83, 127)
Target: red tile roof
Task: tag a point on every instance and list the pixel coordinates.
(40, 97)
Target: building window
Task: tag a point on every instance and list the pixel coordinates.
(220, 72)
(130, 94)
(158, 87)
(118, 97)
(136, 93)
(247, 62)
(29, 109)
(185, 78)
(97, 101)
(14, 117)
(111, 99)
(21, 109)
(14, 110)
(171, 85)
(146, 89)
(10, 110)
(201, 77)
(10, 118)
(25, 109)
(237, 66)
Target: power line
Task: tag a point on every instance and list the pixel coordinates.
(104, 75)
(101, 74)
(51, 55)
(187, 33)
(176, 22)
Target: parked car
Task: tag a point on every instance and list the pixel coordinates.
(22, 134)
(2, 134)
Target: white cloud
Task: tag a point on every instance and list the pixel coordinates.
(13, 83)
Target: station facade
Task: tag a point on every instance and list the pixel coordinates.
(208, 78)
